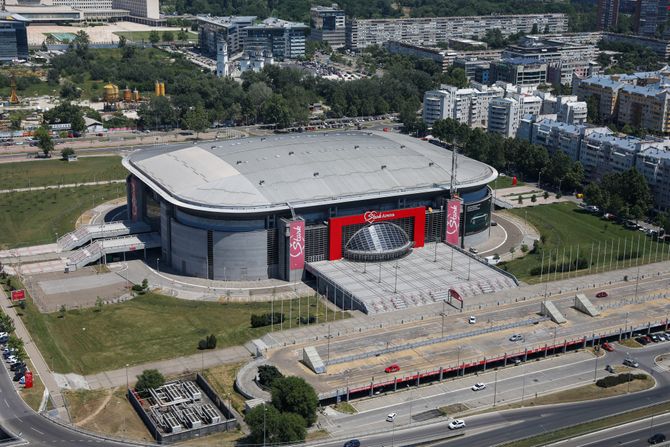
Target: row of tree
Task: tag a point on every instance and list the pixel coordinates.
(511, 155)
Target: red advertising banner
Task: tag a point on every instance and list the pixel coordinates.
(454, 294)
(453, 221)
(29, 379)
(296, 244)
(336, 224)
(18, 295)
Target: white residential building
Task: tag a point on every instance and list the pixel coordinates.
(504, 116)
(573, 112)
(465, 105)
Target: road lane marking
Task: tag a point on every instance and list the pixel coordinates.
(34, 429)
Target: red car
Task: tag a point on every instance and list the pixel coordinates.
(602, 294)
(608, 347)
(392, 368)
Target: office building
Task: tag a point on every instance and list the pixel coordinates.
(608, 14)
(470, 65)
(328, 25)
(149, 9)
(13, 37)
(230, 29)
(362, 33)
(654, 164)
(283, 39)
(519, 71)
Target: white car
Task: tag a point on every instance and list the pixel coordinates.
(516, 337)
(478, 386)
(456, 423)
(11, 359)
(4, 334)
(391, 417)
(472, 320)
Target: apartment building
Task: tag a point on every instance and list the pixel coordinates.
(230, 28)
(362, 33)
(654, 164)
(504, 115)
(573, 112)
(466, 105)
(608, 14)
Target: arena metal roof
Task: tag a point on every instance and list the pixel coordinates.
(279, 172)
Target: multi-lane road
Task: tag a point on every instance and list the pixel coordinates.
(493, 428)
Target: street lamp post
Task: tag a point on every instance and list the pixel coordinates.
(127, 381)
(523, 384)
(264, 410)
(157, 261)
(443, 315)
(458, 362)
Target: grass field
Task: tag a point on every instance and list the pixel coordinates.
(139, 36)
(149, 327)
(503, 182)
(37, 217)
(568, 231)
(57, 172)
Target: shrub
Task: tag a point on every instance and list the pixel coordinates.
(266, 319)
(545, 195)
(305, 320)
(524, 248)
(533, 198)
(211, 341)
(150, 378)
(202, 344)
(610, 381)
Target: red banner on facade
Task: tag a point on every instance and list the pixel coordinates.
(454, 294)
(296, 244)
(29, 379)
(18, 295)
(453, 221)
(134, 190)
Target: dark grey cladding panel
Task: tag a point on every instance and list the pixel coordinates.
(240, 256)
(189, 250)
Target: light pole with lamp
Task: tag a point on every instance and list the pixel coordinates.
(458, 362)
(443, 315)
(495, 387)
(127, 381)
(157, 268)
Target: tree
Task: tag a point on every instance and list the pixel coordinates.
(168, 36)
(267, 374)
(6, 323)
(154, 37)
(150, 378)
(81, 42)
(122, 41)
(15, 119)
(62, 311)
(52, 76)
(159, 113)
(44, 140)
(274, 427)
(66, 112)
(182, 35)
(98, 304)
(295, 395)
(196, 119)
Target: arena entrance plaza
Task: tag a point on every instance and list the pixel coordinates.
(423, 277)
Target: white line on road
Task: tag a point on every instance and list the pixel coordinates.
(6, 403)
(34, 429)
(630, 442)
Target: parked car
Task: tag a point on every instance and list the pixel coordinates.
(456, 423)
(516, 337)
(494, 223)
(474, 250)
(641, 340)
(391, 417)
(392, 368)
(654, 338)
(18, 375)
(11, 359)
(608, 347)
(16, 366)
(602, 294)
(352, 443)
(631, 362)
(656, 439)
(478, 386)
(472, 320)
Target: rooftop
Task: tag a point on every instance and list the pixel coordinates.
(272, 22)
(310, 169)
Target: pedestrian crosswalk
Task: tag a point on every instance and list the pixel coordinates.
(659, 368)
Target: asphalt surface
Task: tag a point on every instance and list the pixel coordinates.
(27, 426)
(631, 435)
(494, 428)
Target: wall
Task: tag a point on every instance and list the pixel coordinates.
(240, 255)
(189, 250)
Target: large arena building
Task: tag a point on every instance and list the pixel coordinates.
(259, 208)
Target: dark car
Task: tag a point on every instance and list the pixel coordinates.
(19, 374)
(16, 366)
(656, 439)
(608, 347)
(353, 443)
(601, 294)
(641, 340)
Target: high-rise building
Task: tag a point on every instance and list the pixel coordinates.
(231, 29)
(519, 71)
(139, 8)
(650, 17)
(13, 37)
(328, 25)
(466, 105)
(504, 115)
(608, 14)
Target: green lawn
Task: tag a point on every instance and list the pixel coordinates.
(569, 229)
(56, 172)
(139, 36)
(149, 327)
(503, 182)
(35, 217)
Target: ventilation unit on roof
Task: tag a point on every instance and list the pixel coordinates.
(430, 163)
(238, 162)
(291, 153)
(261, 182)
(356, 147)
(316, 174)
(383, 166)
(402, 146)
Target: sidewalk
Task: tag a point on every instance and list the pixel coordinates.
(67, 185)
(41, 367)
